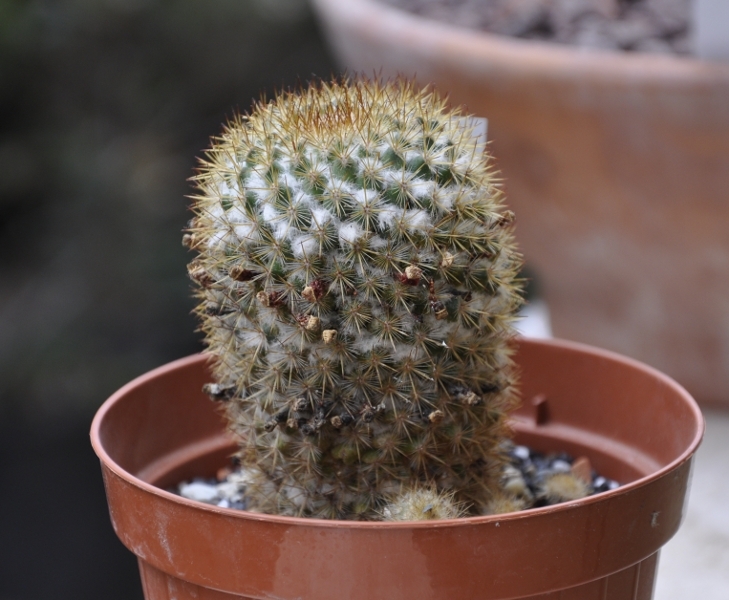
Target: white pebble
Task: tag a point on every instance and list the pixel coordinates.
(521, 452)
(561, 466)
(202, 492)
(229, 489)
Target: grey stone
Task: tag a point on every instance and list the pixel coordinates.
(637, 25)
(521, 452)
(640, 25)
(654, 45)
(594, 34)
(670, 16)
(517, 17)
(561, 466)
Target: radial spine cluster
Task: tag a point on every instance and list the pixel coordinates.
(357, 280)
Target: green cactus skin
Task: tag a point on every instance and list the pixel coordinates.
(357, 279)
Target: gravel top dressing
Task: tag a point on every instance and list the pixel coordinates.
(661, 26)
(530, 480)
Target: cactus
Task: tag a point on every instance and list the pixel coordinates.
(357, 279)
(422, 504)
(563, 487)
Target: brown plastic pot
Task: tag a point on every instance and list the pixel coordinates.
(635, 425)
(617, 166)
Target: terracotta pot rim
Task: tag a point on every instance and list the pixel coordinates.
(326, 523)
(538, 58)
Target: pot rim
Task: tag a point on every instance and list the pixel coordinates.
(533, 57)
(685, 456)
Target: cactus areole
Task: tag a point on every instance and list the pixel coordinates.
(357, 283)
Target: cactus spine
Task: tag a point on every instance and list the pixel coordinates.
(357, 280)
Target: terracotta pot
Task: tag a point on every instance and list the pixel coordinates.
(616, 165)
(634, 424)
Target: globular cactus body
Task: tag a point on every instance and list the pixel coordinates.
(357, 282)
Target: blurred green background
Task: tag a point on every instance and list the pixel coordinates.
(104, 107)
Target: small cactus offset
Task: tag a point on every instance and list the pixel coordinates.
(357, 279)
(422, 504)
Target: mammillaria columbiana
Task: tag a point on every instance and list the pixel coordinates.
(358, 281)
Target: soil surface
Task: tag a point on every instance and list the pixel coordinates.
(530, 479)
(661, 26)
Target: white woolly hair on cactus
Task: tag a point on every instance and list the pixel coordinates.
(502, 504)
(357, 279)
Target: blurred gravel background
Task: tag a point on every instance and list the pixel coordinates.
(104, 105)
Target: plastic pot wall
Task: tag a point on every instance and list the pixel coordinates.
(616, 165)
(635, 424)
